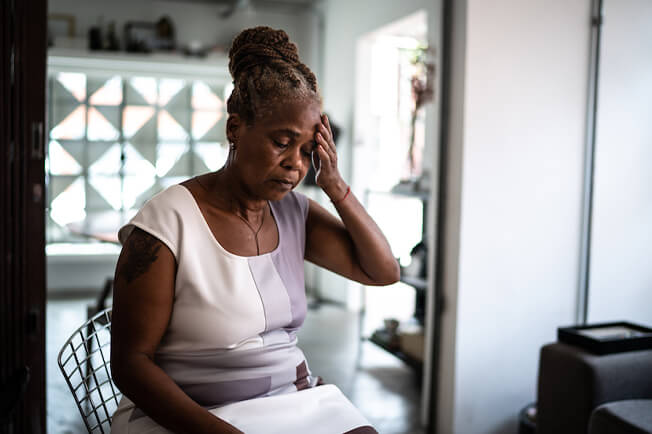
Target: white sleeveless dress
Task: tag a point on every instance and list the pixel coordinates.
(231, 341)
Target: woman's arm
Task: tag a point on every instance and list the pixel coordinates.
(142, 304)
(353, 247)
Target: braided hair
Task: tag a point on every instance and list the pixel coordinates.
(266, 69)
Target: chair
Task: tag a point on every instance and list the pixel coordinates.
(577, 386)
(93, 308)
(85, 363)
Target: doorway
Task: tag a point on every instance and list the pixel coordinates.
(392, 166)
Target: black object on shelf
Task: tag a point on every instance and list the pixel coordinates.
(415, 276)
(389, 343)
(419, 284)
(416, 282)
(607, 338)
(420, 307)
(95, 38)
(139, 37)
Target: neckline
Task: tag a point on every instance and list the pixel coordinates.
(220, 246)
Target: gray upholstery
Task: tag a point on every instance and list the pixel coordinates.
(622, 417)
(573, 382)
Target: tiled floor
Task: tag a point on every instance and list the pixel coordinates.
(381, 386)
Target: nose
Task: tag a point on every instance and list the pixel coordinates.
(293, 159)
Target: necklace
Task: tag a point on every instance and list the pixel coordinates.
(255, 232)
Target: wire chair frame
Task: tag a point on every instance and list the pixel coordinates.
(84, 361)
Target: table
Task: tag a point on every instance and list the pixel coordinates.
(101, 225)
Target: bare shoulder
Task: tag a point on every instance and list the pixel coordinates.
(197, 188)
(139, 252)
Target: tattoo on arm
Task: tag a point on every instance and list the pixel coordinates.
(142, 251)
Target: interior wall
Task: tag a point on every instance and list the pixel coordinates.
(620, 280)
(521, 137)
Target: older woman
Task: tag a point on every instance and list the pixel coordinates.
(209, 289)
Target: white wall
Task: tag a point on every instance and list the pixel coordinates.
(517, 132)
(620, 283)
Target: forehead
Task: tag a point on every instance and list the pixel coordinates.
(302, 117)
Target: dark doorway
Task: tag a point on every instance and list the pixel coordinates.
(22, 228)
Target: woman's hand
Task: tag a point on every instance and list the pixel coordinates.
(325, 161)
(354, 246)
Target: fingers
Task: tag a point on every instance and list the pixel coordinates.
(325, 129)
(327, 147)
(325, 159)
(326, 122)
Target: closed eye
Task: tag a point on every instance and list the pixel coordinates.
(280, 145)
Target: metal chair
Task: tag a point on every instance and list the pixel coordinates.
(85, 363)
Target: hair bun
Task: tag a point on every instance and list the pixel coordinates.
(260, 45)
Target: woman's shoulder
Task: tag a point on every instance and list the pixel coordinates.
(172, 197)
(161, 215)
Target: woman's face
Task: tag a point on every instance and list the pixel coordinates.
(274, 154)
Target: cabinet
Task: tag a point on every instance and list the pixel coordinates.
(418, 280)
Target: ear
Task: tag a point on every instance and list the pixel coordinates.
(234, 127)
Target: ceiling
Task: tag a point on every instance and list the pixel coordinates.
(231, 6)
(245, 2)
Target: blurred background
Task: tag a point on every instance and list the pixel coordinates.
(504, 148)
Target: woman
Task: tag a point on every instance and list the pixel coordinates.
(209, 289)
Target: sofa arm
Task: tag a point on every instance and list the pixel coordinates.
(626, 417)
(573, 381)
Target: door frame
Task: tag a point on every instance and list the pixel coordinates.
(23, 45)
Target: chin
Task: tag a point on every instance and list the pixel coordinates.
(277, 195)
(277, 190)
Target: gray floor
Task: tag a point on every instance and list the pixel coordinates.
(381, 386)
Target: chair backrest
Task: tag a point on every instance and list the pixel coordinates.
(85, 363)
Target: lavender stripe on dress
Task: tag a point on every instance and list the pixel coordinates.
(211, 394)
(272, 292)
(289, 259)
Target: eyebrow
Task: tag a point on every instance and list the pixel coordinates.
(287, 131)
(293, 134)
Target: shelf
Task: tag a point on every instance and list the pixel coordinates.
(166, 65)
(382, 339)
(423, 195)
(417, 282)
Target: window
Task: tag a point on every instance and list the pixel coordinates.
(115, 140)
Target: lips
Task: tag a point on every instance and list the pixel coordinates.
(284, 183)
